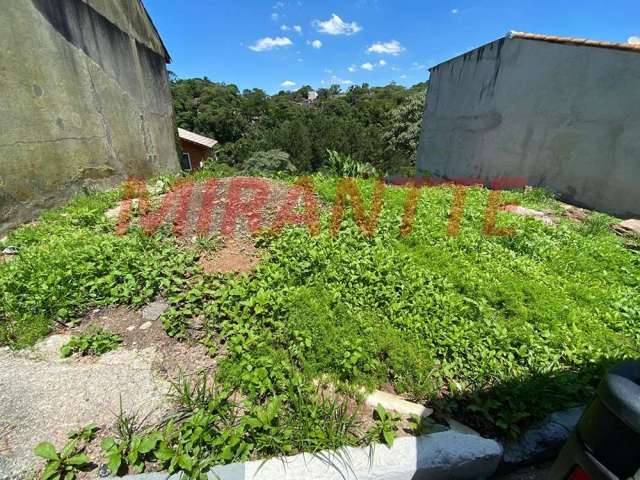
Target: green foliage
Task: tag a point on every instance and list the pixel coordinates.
(344, 166)
(496, 331)
(385, 427)
(71, 261)
(66, 464)
(132, 446)
(355, 122)
(95, 342)
(479, 326)
(210, 427)
(404, 128)
(270, 162)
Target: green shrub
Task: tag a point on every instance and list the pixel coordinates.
(95, 342)
(270, 162)
(344, 166)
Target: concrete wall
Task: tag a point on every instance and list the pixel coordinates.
(565, 117)
(85, 101)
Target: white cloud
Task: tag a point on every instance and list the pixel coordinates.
(455, 11)
(391, 48)
(367, 66)
(284, 28)
(634, 40)
(418, 66)
(336, 26)
(403, 76)
(297, 28)
(352, 68)
(269, 43)
(275, 16)
(288, 83)
(382, 63)
(315, 44)
(278, 5)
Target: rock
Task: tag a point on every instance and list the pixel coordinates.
(158, 188)
(396, 404)
(113, 213)
(461, 428)
(103, 471)
(131, 328)
(153, 311)
(573, 212)
(528, 212)
(145, 325)
(10, 251)
(628, 227)
(541, 442)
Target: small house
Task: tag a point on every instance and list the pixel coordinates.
(195, 149)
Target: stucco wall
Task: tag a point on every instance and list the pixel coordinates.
(85, 102)
(562, 116)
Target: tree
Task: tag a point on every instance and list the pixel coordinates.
(379, 125)
(404, 128)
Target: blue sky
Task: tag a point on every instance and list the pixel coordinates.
(274, 44)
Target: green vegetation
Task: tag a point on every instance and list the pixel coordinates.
(95, 342)
(496, 331)
(377, 125)
(210, 427)
(384, 430)
(70, 261)
(66, 464)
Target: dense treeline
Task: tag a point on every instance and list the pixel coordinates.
(379, 125)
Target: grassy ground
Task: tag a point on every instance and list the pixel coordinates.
(497, 331)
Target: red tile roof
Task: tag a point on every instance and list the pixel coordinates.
(574, 41)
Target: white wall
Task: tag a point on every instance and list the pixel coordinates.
(562, 116)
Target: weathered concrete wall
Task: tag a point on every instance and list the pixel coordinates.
(85, 101)
(562, 116)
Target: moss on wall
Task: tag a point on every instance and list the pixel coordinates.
(89, 104)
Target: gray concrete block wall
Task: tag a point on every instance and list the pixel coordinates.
(565, 117)
(85, 103)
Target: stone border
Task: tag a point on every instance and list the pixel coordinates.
(459, 453)
(543, 441)
(442, 455)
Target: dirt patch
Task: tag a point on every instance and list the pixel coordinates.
(174, 357)
(234, 257)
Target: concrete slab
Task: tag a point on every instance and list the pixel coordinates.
(438, 456)
(152, 312)
(42, 397)
(396, 404)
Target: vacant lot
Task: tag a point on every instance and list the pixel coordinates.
(494, 330)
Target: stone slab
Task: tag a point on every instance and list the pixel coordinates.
(438, 456)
